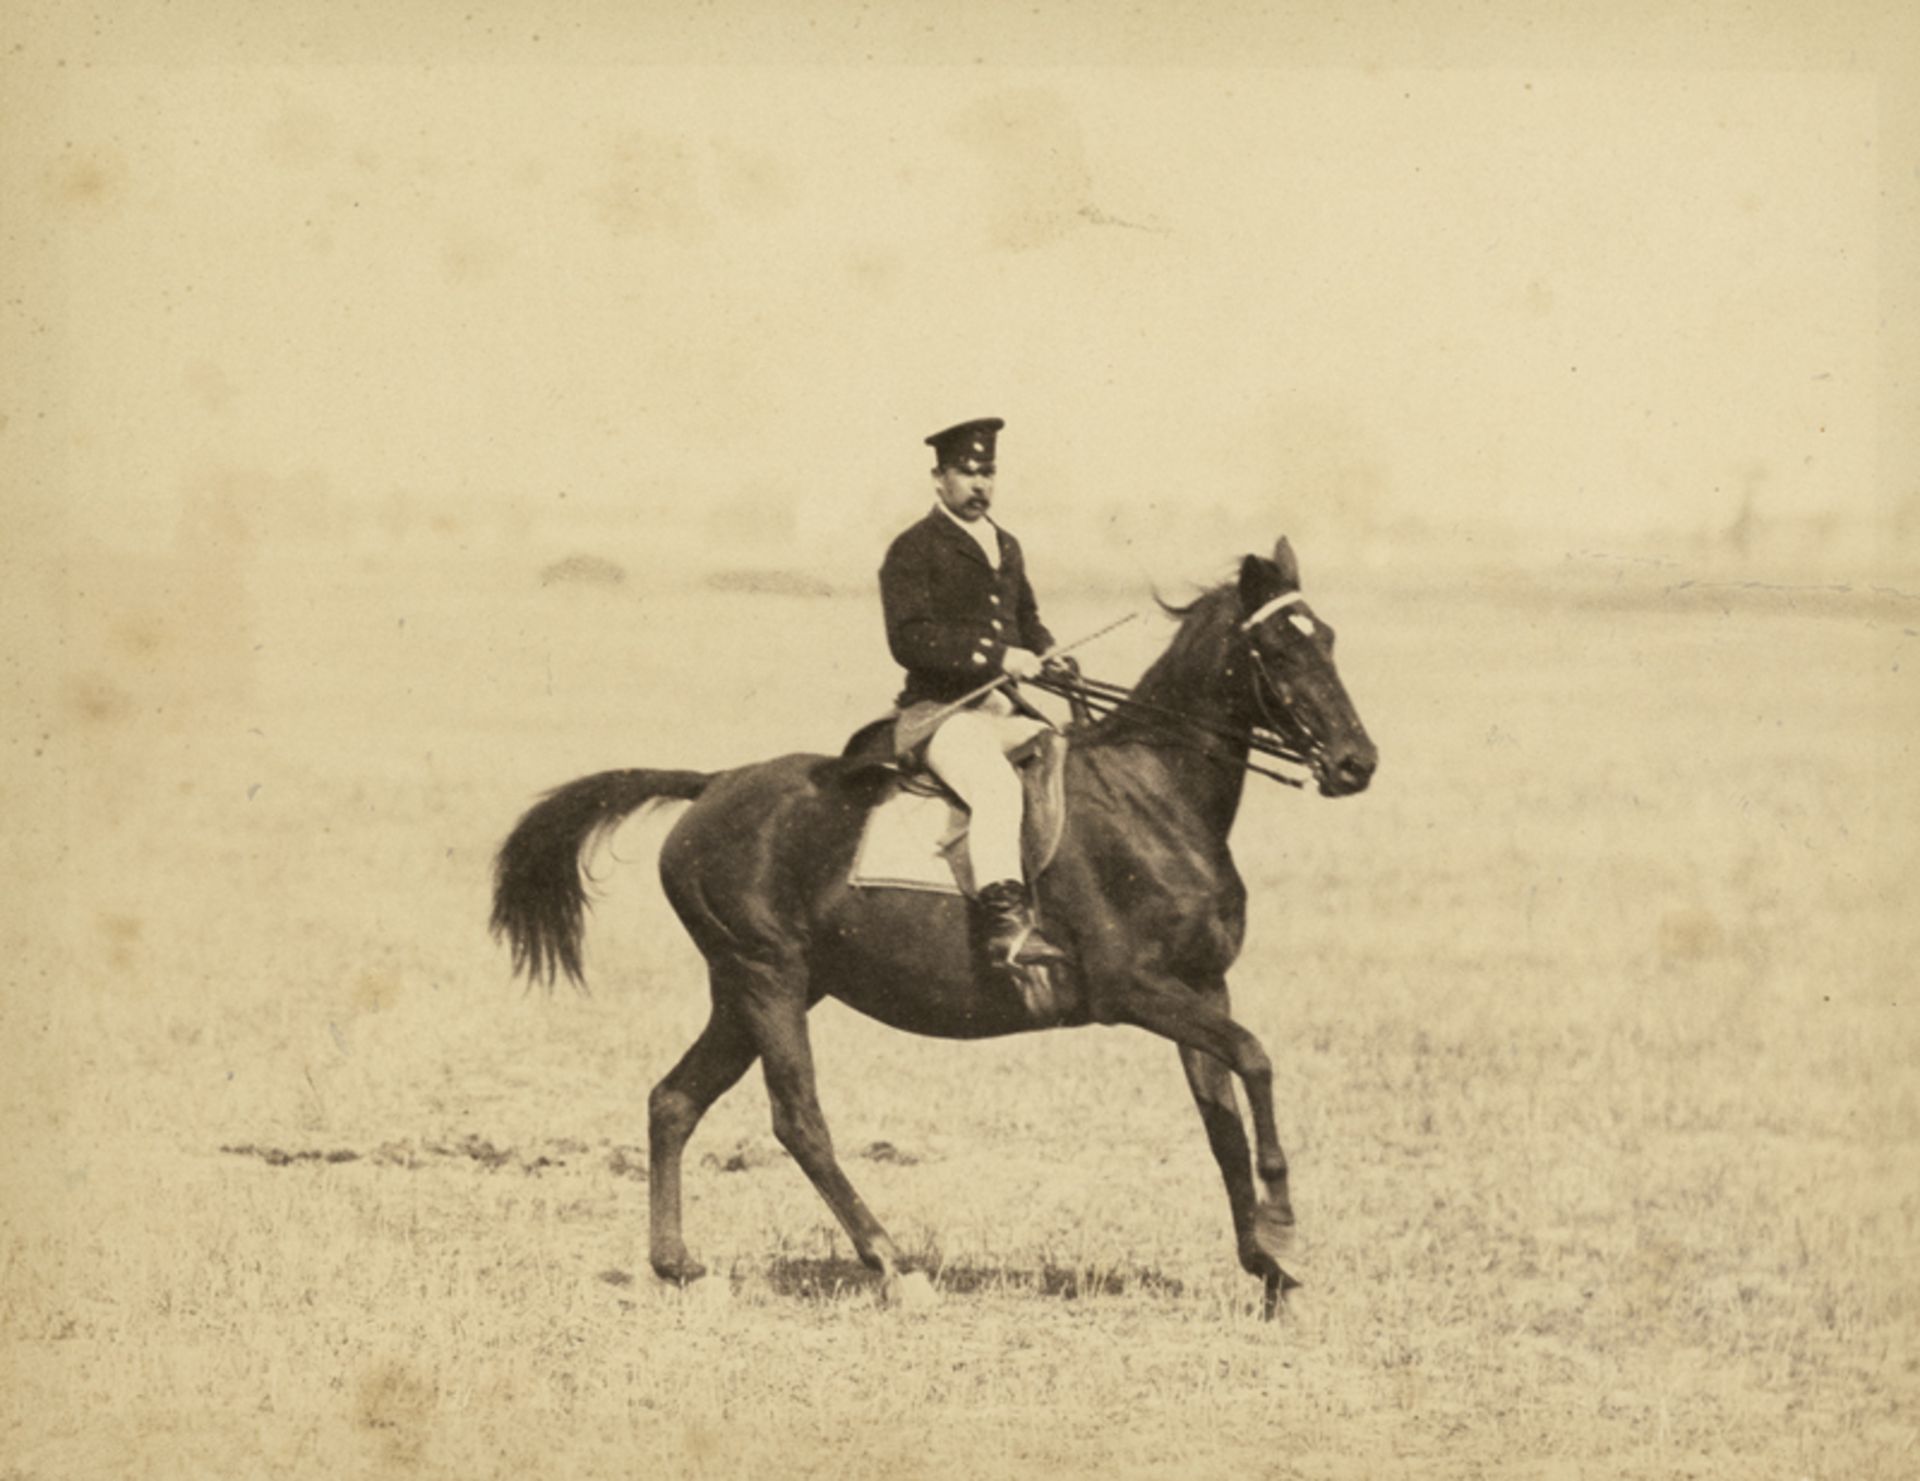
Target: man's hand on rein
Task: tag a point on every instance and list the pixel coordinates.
(1021, 663)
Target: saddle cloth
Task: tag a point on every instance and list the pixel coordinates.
(915, 839)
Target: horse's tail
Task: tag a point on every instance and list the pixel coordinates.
(539, 899)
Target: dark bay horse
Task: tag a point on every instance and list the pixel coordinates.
(1143, 892)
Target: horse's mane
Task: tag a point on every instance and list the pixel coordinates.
(1179, 677)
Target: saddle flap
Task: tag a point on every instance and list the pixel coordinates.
(1042, 763)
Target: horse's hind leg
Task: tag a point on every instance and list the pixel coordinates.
(777, 1011)
(717, 1060)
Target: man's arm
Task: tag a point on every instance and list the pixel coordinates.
(1033, 632)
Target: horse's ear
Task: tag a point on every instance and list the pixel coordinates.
(1286, 563)
(1260, 583)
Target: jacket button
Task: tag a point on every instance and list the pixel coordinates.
(995, 600)
(981, 659)
(997, 624)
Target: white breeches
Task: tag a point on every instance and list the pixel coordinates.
(969, 754)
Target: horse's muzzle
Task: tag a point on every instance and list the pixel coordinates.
(1349, 774)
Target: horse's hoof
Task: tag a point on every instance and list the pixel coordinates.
(910, 1290)
(683, 1271)
(1274, 1232)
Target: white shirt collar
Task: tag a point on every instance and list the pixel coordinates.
(984, 532)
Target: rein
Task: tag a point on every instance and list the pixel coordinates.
(1106, 698)
(1102, 699)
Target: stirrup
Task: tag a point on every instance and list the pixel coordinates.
(1014, 938)
(1032, 948)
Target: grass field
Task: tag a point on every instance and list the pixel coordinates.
(1593, 1022)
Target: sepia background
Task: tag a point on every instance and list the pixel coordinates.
(404, 411)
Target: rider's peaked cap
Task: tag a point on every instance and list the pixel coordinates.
(967, 447)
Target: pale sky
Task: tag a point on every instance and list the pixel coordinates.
(1604, 299)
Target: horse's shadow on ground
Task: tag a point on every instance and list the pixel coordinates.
(796, 1278)
(817, 1279)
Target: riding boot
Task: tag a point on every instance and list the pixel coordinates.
(1013, 938)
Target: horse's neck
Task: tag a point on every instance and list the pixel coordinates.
(1204, 765)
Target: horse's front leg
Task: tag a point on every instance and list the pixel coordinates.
(1213, 1048)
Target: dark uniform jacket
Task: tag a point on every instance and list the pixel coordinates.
(950, 615)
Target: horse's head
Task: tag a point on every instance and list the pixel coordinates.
(1297, 693)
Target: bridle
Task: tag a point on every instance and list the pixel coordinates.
(1279, 735)
(1294, 733)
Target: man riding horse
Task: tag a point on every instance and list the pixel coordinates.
(959, 610)
(1143, 886)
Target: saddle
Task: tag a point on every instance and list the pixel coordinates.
(915, 833)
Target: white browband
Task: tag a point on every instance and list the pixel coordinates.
(1286, 598)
